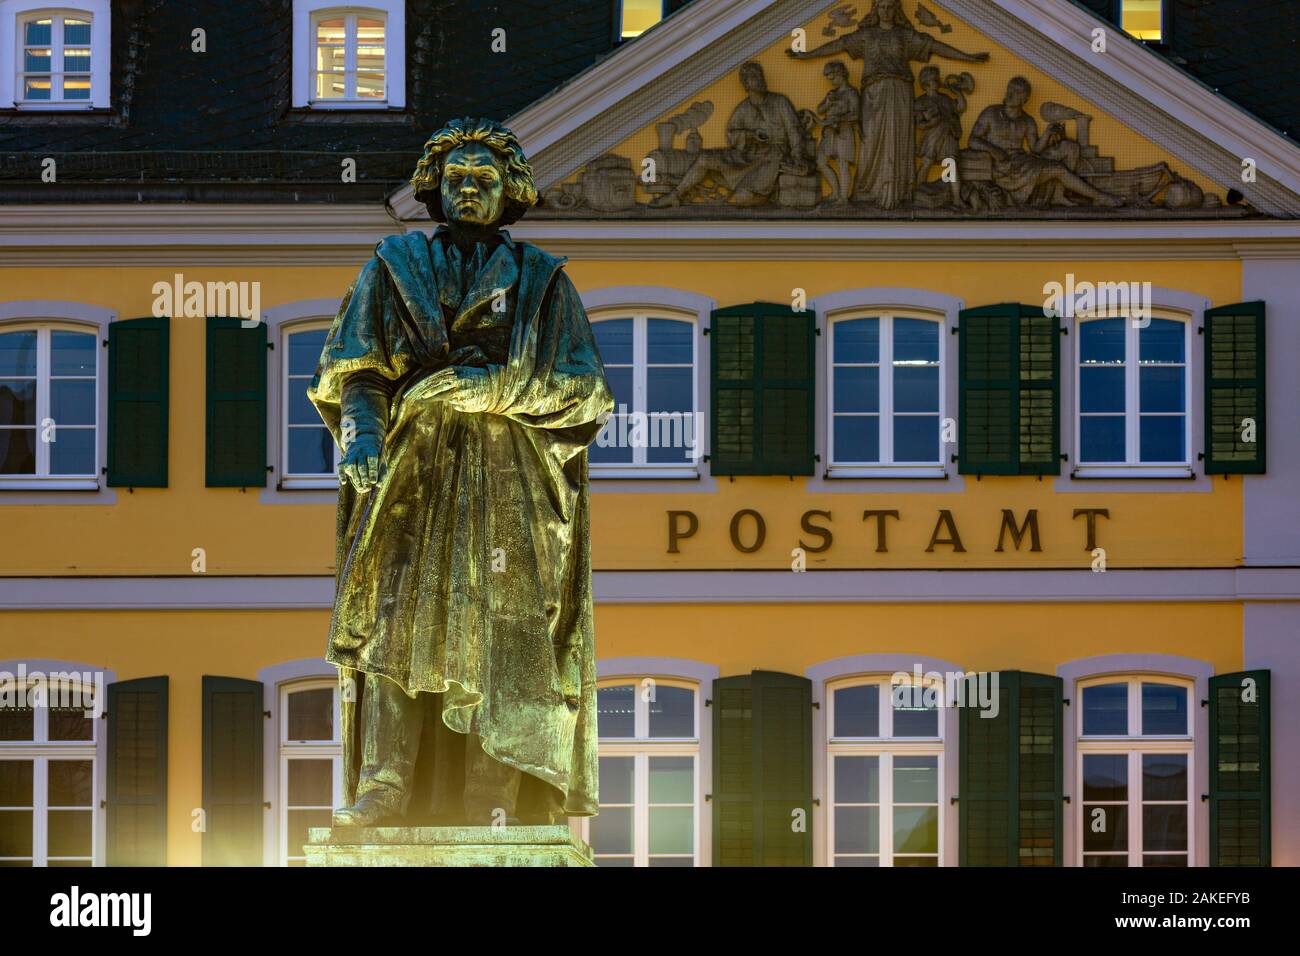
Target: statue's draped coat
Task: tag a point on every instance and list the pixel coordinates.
(465, 571)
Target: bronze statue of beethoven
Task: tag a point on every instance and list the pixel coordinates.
(462, 381)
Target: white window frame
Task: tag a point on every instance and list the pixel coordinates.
(886, 746)
(639, 467)
(42, 479)
(641, 748)
(886, 467)
(305, 15)
(39, 751)
(287, 479)
(288, 750)
(14, 13)
(1134, 746)
(1132, 466)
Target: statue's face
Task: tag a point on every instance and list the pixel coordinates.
(473, 187)
(1016, 96)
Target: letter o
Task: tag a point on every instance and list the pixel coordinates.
(759, 525)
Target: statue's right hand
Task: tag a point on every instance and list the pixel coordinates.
(360, 464)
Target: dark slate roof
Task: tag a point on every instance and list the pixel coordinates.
(1244, 50)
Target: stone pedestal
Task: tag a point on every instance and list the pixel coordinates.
(446, 846)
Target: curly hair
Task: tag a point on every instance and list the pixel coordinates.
(521, 191)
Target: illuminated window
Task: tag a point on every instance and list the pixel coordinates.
(54, 58)
(885, 765)
(311, 763)
(638, 16)
(350, 57)
(1135, 753)
(649, 774)
(48, 401)
(309, 452)
(1143, 19)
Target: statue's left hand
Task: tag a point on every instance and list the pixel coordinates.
(464, 388)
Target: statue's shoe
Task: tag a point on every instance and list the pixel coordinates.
(369, 810)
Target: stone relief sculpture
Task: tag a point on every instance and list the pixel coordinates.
(873, 151)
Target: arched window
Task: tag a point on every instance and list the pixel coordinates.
(349, 56)
(311, 763)
(649, 773)
(1135, 753)
(48, 780)
(54, 57)
(885, 770)
(887, 391)
(49, 406)
(309, 454)
(650, 362)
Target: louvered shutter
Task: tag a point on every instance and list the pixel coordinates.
(236, 404)
(137, 772)
(1240, 824)
(138, 382)
(232, 771)
(1234, 389)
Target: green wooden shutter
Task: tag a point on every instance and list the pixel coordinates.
(232, 771)
(763, 364)
(1009, 408)
(762, 770)
(1240, 825)
(236, 407)
(1010, 773)
(1234, 388)
(138, 376)
(137, 772)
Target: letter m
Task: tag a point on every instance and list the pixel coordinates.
(1018, 534)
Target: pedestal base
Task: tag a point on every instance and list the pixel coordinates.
(446, 846)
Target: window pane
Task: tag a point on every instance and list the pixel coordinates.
(1164, 776)
(913, 717)
(916, 340)
(857, 340)
(640, 15)
(615, 780)
(857, 711)
(916, 389)
(672, 830)
(300, 821)
(1161, 438)
(857, 779)
(1174, 860)
(18, 354)
(1101, 389)
(311, 715)
(616, 711)
(76, 61)
(857, 829)
(71, 723)
(671, 861)
(611, 831)
(15, 833)
(370, 30)
(1101, 340)
(1105, 828)
(72, 401)
(1164, 709)
(857, 388)
(76, 32)
(669, 389)
(1164, 827)
(672, 780)
(1162, 341)
(606, 450)
(71, 783)
(1141, 18)
(1105, 777)
(916, 438)
(38, 32)
(301, 411)
(672, 712)
(17, 401)
(73, 453)
(17, 447)
(72, 353)
(330, 30)
(857, 861)
(1102, 438)
(614, 340)
(311, 783)
(916, 780)
(1111, 860)
(305, 351)
(69, 832)
(76, 87)
(370, 86)
(16, 784)
(620, 383)
(668, 341)
(857, 438)
(311, 451)
(370, 59)
(916, 861)
(1161, 388)
(329, 86)
(36, 60)
(16, 723)
(916, 829)
(1105, 709)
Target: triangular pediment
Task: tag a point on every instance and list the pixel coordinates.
(709, 116)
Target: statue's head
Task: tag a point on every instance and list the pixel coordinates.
(929, 77)
(1018, 90)
(886, 11)
(474, 173)
(752, 78)
(836, 72)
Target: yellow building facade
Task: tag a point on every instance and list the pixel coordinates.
(750, 627)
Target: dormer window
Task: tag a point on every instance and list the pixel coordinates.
(638, 16)
(1143, 19)
(54, 58)
(349, 57)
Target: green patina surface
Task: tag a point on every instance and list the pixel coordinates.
(446, 846)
